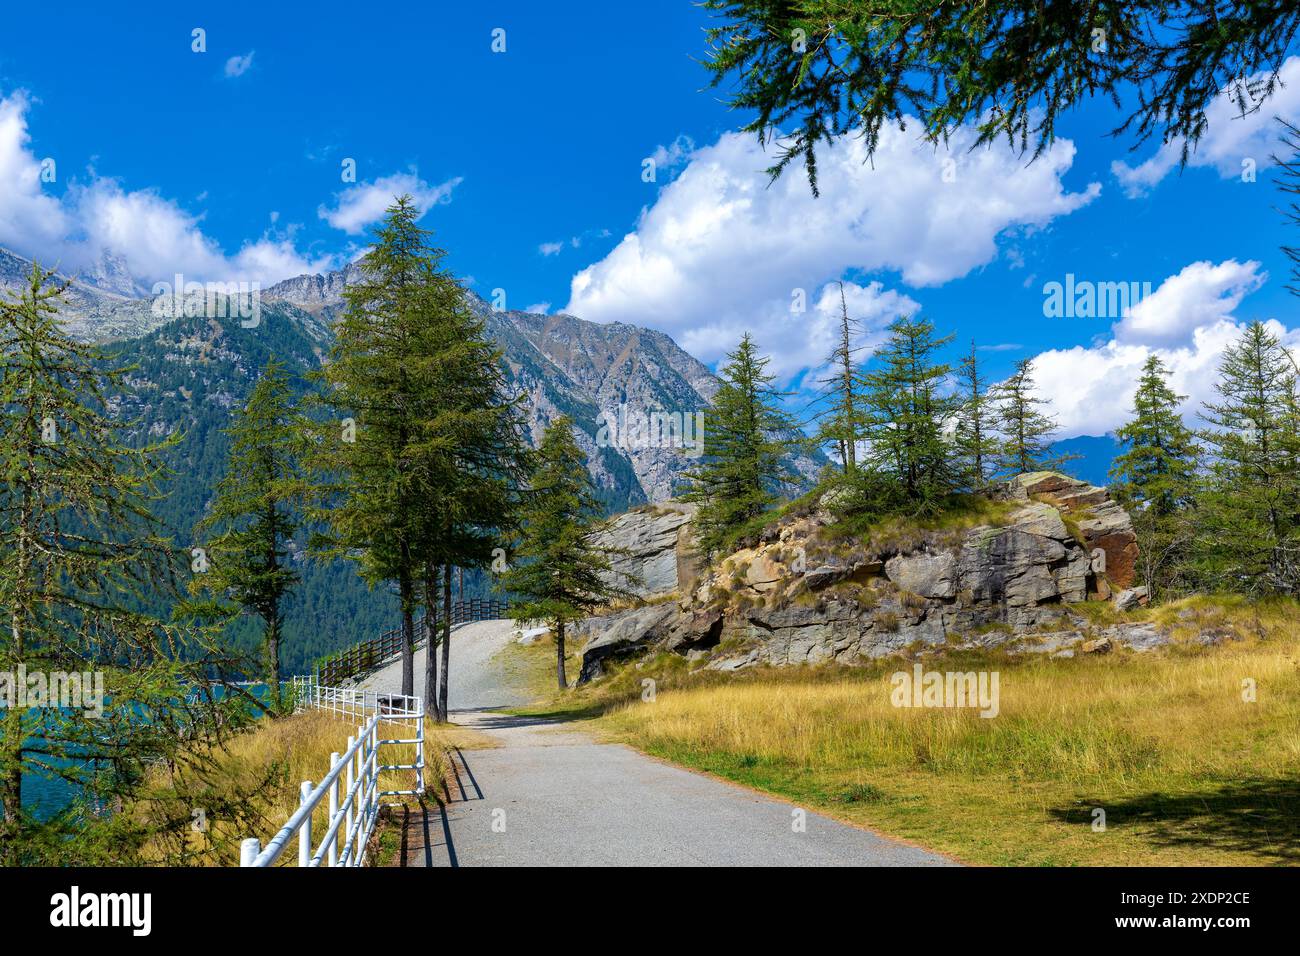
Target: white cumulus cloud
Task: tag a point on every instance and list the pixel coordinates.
(721, 251)
(360, 205)
(1202, 294)
(1230, 139)
(27, 213)
(1188, 321)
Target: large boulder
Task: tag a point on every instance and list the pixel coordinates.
(929, 575)
(1108, 528)
(797, 595)
(1041, 519)
(1010, 566)
(625, 634)
(1103, 523)
(649, 551)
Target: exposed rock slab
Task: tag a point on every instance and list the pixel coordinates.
(646, 549)
(622, 635)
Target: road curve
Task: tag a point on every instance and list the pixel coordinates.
(550, 795)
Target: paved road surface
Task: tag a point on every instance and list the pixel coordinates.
(552, 796)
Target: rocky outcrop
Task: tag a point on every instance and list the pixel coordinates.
(1103, 524)
(622, 635)
(649, 550)
(803, 596)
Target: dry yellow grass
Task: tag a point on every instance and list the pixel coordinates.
(253, 785)
(1185, 769)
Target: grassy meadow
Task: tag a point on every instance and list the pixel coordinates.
(251, 786)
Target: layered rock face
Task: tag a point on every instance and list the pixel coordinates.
(1103, 523)
(650, 550)
(804, 595)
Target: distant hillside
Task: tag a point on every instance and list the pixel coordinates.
(102, 305)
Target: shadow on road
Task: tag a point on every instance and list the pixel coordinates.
(460, 787)
(496, 718)
(493, 718)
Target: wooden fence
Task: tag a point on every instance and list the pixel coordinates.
(367, 655)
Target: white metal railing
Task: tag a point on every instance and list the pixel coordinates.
(351, 786)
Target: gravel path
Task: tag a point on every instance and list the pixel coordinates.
(475, 682)
(552, 796)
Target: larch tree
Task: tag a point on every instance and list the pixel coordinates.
(1249, 515)
(1027, 432)
(810, 72)
(840, 425)
(1156, 475)
(557, 573)
(1158, 466)
(253, 518)
(974, 436)
(471, 459)
(742, 464)
(81, 559)
(367, 486)
(908, 415)
(431, 459)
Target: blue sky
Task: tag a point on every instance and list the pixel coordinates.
(531, 163)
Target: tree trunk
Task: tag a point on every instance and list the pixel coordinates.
(431, 622)
(559, 656)
(407, 592)
(274, 620)
(11, 780)
(446, 642)
(273, 661)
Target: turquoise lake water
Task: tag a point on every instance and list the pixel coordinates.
(44, 797)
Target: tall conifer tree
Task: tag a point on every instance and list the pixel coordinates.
(1156, 476)
(254, 516)
(428, 475)
(974, 437)
(1250, 514)
(1157, 468)
(745, 443)
(841, 423)
(1026, 431)
(367, 488)
(558, 574)
(908, 414)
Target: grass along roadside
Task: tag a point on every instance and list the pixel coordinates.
(1185, 770)
(252, 787)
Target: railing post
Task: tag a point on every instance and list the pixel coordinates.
(304, 835)
(374, 786)
(363, 755)
(419, 746)
(334, 810)
(248, 851)
(351, 802)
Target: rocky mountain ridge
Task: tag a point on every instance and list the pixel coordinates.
(101, 304)
(601, 375)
